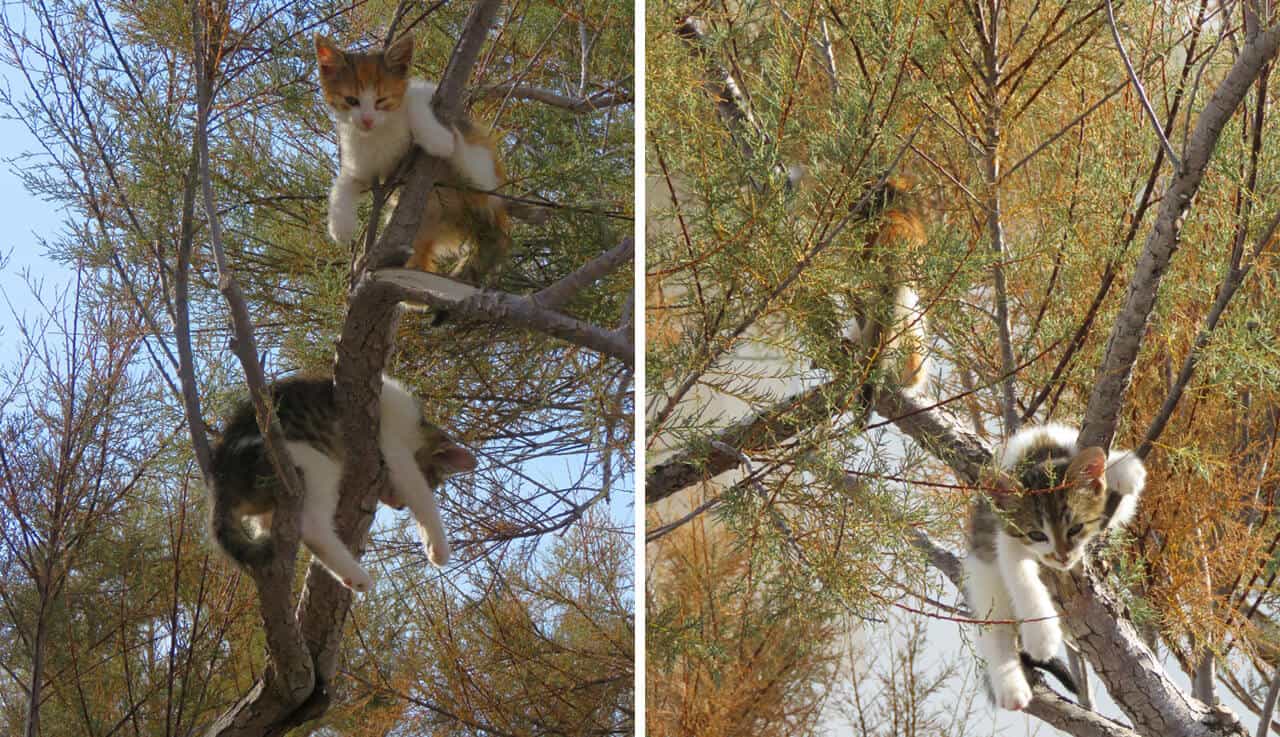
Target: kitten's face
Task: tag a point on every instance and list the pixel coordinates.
(363, 89)
(1055, 506)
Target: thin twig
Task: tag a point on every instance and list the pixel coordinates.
(1142, 92)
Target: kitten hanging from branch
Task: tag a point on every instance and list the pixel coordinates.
(889, 324)
(381, 112)
(419, 456)
(1047, 501)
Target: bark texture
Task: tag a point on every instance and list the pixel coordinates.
(1131, 325)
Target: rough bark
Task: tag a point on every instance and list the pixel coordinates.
(585, 104)
(755, 432)
(466, 302)
(1131, 324)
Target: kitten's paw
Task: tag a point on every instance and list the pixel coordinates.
(342, 225)
(1012, 691)
(360, 583)
(1041, 640)
(438, 553)
(438, 141)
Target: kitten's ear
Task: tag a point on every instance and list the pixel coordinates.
(1088, 467)
(329, 57)
(454, 458)
(399, 54)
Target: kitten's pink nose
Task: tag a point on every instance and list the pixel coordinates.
(366, 121)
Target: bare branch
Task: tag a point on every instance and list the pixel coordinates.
(466, 301)
(1142, 92)
(290, 676)
(1269, 706)
(1072, 718)
(938, 431)
(1131, 324)
(590, 103)
(762, 430)
(556, 295)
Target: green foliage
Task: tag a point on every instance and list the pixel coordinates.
(751, 283)
(161, 634)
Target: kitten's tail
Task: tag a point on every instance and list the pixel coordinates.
(1054, 667)
(231, 536)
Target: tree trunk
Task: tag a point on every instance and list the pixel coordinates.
(31, 728)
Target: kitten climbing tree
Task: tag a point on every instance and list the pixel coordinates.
(1029, 126)
(303, 650)
(186, 141)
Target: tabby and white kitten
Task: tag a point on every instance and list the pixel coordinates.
(381, 113)
(1050, 500)
(419, 456)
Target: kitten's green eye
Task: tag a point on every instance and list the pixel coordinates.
(380, 101)
(1075, 530)
(1038, 536)
(353, 102)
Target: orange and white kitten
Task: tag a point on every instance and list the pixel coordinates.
(381, 113)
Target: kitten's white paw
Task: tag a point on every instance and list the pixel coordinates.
(342, 224)
(438, 141)
(1041, 640)
(438, 553)
(1012, 691)
(359, 583)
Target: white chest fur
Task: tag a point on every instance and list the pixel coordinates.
(366, 155)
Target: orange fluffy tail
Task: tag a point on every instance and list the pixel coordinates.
(458, 214)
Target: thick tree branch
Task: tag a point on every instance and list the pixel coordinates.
(755, 432)
(366, 341)
(1131, 324)
(468, 302)
(1131, 672)
(1071, 717)
(290, 675)
(937, 430)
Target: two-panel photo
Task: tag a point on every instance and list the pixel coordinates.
(598, 368)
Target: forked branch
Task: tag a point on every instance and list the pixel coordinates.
(1131, 324)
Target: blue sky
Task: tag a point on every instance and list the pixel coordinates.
(25, 217)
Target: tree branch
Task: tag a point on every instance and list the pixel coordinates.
(765, 429)
(1131, 324)
(555, 296)
(1071, 717)
(937, 430)
(366, 341)
(1142, 92)
(290, 676)
(466, 301)
(590, 103)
